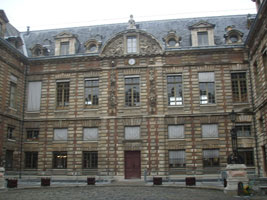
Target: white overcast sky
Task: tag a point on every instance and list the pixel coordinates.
(48, 14)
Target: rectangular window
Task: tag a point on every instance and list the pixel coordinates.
(211, 158)
(243, 130)
(34, 96)
(239, 87)
(177, 158)
(60, 160)
(175, 90)
(206, 87)
(132, 91)
(175, 131)
(210, 131)
(202, 38)
(10, 132)
(256, 77)
(63, 94)
(13, 92)
(60, 134)
(90, 159)
(91, 92)
(131, 44)
(9, 159)
(31, 160)
(90, 134)
(32, 134)
(132, 132)
(64, 48)
(247, 155)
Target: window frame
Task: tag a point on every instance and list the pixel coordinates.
(60, 158)
(201, 35)
(90, 160)
(95, 102)
(66, 50)
(32, 134)
(32, 157)
(207, 137)
(177, 136)
(93, 139)
(39, 96)
(62, 94)
(126, 134)
(210, 162)
(211, 100)
(243, 152)
(175, 84)
(242, 126)
(10, 132)
(130, 99)
(238, 97)
(177, 165)
(12, 94)
(133, 47)
(9, 160)
(54, 134)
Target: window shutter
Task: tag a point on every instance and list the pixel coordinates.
(90, 133)
(177, 157)
(206, 77)
(132, 133)
(176, 131)
(61, 134)
(210, 130)
(34, 96)
(211, 153)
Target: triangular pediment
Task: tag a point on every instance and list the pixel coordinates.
(202, 24)
(64, 35)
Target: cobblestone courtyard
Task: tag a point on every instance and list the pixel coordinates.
(113, 193)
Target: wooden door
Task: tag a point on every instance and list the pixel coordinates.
(132, 164)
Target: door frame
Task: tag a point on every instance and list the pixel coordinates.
(139, 168)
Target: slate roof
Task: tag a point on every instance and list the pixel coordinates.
(159, 29)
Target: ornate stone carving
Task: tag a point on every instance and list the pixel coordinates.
(131, 23)
(112, 92)
(148, 45)
(152, 92)
(115, 48)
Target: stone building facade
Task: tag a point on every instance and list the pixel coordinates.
(124, 99)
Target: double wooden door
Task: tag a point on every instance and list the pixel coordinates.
(132, 164)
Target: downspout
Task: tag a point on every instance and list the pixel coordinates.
(254, 117)
(22, 120)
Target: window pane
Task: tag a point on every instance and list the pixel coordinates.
(90, 159)
(202, 38)
(91, 92)
(211, 158)
(13, 91)
(175, 92)
(239, 87)
(60, 160)
(131, 44)
(206, 87)
(132, 132)
(132, 92)
(64, 48)
(31, 160)
(248, 155)
(62, 94)
(34, 96)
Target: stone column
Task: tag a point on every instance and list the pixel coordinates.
(2, 178)
(235, 173)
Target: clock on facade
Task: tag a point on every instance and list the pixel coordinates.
(131, 61)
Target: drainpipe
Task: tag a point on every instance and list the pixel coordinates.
(22, 120)
(254, 117)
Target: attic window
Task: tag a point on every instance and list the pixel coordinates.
(172, 42)
(37, 52)
(131, 44)
(234, 38)
(202, 38)
(92, 48)
(64, 48)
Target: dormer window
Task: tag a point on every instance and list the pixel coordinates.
(131, 44)
(66, 43)
(64, 48)
(172, 40)
(38, 50)
(202, 38)
(233, 36)
(202, 34)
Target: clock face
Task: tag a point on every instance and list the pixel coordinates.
(131, 61)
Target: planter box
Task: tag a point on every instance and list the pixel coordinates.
(190, 181)
(45, 181)
(12, 183)
(157, 181)
(90, 181)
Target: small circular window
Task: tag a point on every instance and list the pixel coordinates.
(172, 42)
(92, 48)
(233, 38)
